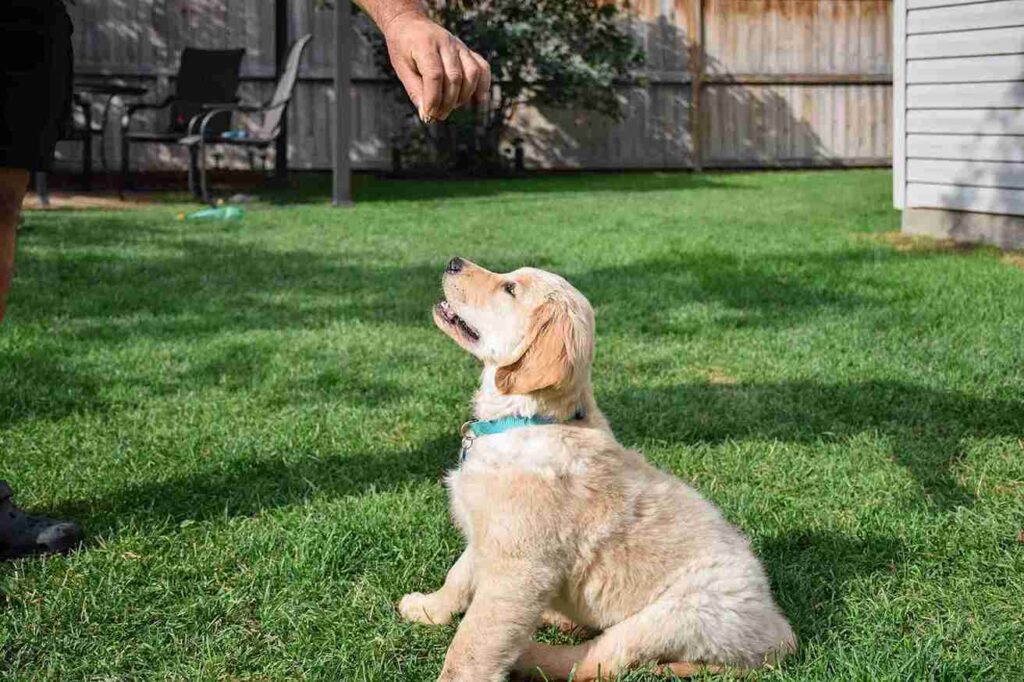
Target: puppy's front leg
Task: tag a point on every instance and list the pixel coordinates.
(437, 608)
(506, 609)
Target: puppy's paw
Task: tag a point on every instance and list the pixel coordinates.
(424, 608)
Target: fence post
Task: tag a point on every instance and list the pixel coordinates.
(696, 82)
(280, 55)
(342, 190)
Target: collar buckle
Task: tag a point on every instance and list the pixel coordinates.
(466, 431)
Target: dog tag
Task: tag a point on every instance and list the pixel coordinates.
(467, 440)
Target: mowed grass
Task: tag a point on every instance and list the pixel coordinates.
(251, 419)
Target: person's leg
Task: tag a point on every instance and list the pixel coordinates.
(35, 93)
(22, 534)
(13, 182)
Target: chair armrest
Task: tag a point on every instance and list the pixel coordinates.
(203, 120)
(237, 106)
(131, 109)
(221, 105)
(210, 110)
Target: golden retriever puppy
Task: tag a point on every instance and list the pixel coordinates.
(564, 525)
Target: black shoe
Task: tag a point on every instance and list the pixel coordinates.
(23, 535)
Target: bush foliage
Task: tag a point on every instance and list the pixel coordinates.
(549, 53)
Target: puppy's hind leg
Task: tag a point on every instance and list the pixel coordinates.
(549, 662)
(625, 645)
(546, 663)
(565, 624)
(647, 637)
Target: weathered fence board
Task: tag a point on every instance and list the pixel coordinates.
(797, 125)
(799, 36)
(777, 83)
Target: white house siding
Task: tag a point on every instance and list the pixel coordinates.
(959, 105)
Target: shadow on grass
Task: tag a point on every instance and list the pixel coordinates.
(42, 384)
(48, 382)
(184, 286)
(209, 292)
(210, 287)
(190, 287)
(116, 279)
(927, 427)
(248, 488)
(813, 571)
(765, 292)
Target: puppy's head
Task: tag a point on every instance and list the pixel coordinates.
(534, 326)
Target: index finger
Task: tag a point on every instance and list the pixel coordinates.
(431, 69)
(412, 82)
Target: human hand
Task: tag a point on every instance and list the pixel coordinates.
(438, 71)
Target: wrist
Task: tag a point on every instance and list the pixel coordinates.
(388, 23)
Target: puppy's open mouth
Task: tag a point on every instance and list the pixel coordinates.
(448, 316)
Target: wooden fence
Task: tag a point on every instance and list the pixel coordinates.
(730, 83)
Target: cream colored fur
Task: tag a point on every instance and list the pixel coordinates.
(564, 525)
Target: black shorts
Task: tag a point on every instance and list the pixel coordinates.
(35, 81)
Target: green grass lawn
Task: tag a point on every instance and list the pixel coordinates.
(250, 419)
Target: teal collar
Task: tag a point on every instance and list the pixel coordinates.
(474, 429)
(495, 426)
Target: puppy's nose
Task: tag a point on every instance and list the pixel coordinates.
(454, 266)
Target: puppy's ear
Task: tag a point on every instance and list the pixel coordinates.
(546, 360)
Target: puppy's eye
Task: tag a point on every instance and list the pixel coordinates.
(510, 288)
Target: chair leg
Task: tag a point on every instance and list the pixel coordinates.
(205, 193)
(87, 162)
(126, 181)
(193, 162)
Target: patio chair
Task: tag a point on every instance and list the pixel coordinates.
(206, 78)
(204, 133)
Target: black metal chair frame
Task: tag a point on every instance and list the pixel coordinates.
(168, 137)
(201, 136)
